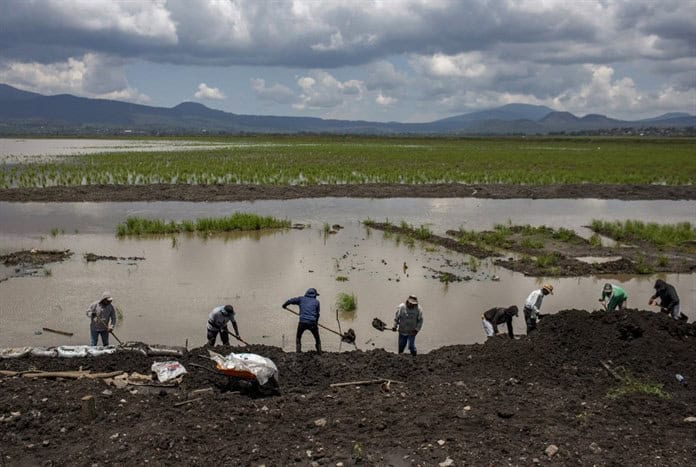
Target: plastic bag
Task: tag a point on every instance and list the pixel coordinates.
(44, 352)
(261, 367)
(100, 350)
(166, 371)
(72, 351)
(15, 352)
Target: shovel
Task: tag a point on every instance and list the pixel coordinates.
(380, 325)
(239, 339)
(348, 336)
(110, 330)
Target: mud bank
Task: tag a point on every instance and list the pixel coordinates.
(504, 402)
(98, 193)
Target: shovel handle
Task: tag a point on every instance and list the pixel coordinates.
(318, 324)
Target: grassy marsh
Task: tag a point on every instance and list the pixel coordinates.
(136, 226)
(295, 160)
(653, 233)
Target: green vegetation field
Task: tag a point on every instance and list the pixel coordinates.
(333, 160)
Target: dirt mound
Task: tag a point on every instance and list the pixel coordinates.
(503, 402)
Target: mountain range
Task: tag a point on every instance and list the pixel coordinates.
(23, 111)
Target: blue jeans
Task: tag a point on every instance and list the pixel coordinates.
(675, 312)
(410, 339)
(95, 335)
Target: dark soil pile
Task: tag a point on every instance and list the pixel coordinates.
(180, 192)
(34, 257)
(501, 403)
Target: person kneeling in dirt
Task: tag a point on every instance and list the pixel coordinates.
(616, 295)
(309, 317)
(409, 321)
(217, 324)
(669, 300)
(495, 316)
(102, 319)
(533, 304)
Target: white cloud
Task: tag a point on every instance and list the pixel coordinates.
(206, 92)
(88, 76)
(276, 93)
(381, 99)
(323, 91)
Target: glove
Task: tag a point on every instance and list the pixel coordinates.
(414, 332)
(393, 328)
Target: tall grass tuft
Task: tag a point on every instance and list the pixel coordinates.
(135, 226)
(346, 302)
(651, 232)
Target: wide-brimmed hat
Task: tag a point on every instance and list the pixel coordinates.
(412, 300)
(106, 296)
(548, 288)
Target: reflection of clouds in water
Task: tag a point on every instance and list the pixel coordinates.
(257, 272)
(441, 214)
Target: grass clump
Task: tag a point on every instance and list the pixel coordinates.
(341, 278)
(595, 241)
(532, 244)
(346, 302)
(136, 226)
(548, 261)
(631, 385)
(651, 232)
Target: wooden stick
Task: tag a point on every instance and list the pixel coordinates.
(69, 334)
(199, 391)
(88, 409)
(71, 374)
(361, 383)
(178, 404)
(610, 370)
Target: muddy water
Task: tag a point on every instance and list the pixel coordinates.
(35, 150)
(166, 298)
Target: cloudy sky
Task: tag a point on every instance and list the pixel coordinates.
(382, 60)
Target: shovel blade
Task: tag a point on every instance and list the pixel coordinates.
(379, 324)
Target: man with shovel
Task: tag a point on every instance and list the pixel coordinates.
(217, 324)
(669, 300)
(408, 321)
(101, 313)
(309, 317)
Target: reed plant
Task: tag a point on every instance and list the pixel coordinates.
(651, 232)
(136, 226)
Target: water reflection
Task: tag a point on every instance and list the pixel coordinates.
(166, 298)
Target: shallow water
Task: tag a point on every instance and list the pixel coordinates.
(23, 150)
(166, 298)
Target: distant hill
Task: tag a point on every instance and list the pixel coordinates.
(22, 111)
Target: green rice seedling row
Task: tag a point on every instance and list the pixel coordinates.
(136, 226)
(357, 160)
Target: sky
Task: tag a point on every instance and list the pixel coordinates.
(377, 60)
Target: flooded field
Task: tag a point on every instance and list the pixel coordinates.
(26, 150)
(166, 298)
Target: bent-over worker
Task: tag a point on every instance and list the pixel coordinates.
(408, 321)
(217, 324)
(495, 316)
(309, 317)
(102, 319)
(669, 300)
(616, 295)
(533, 304)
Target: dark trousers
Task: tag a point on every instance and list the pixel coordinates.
(224, 336)
(531, 322)
(409, 339)
(314, 329)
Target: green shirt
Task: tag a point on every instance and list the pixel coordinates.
(616, 297)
